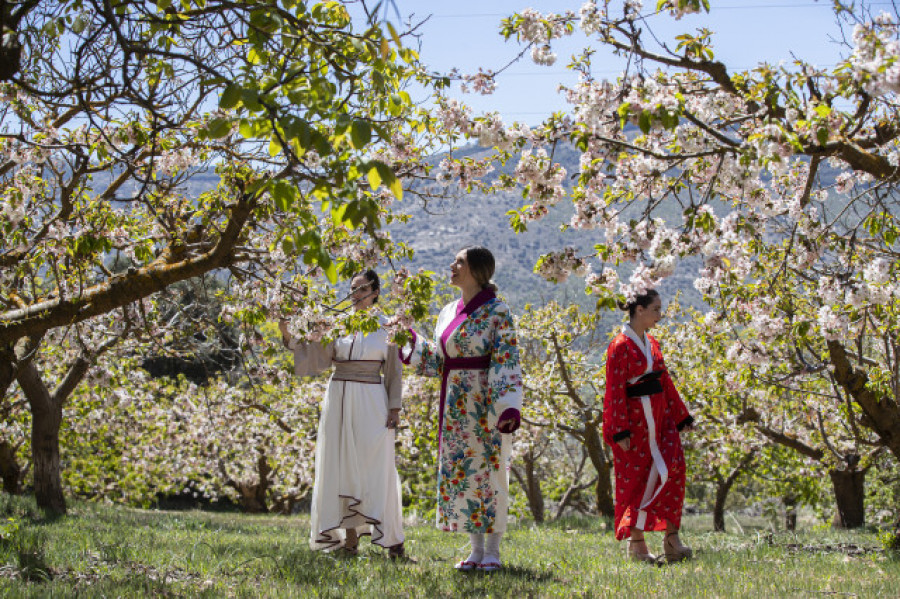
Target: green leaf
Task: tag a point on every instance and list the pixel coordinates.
(339, 214)
(645, 120)
(823, 110)
(394, 35)
(397, 188)
(79, 24)
(230, 97)
(274, 147)
(250, 97)
(284, 195)
(246, 129)
(219, 128)
(374, 177)
(624, 110)
(360, 134)
(342, 123)
(388, 178)
(328, 267)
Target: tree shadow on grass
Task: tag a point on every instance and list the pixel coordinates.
(523, 573)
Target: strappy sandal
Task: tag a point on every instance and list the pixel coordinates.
(350, 550)
(634, 556)
(673, 553)
(466, 566)
(489, 567)
(398, 553)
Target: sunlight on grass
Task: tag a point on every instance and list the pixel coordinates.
(113, 551)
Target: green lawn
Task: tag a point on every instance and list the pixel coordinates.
(106, 551)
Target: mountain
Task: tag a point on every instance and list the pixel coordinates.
(438, 230)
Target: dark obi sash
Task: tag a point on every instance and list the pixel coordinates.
(648, 384)
(450, 364)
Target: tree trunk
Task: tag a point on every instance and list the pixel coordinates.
(10, 470)
(603, 489)
(48, 491)
(46, 417)
(849, 494)
(723, 488)
(882, 411)
(7, 371)
(532, 486)
(790, 512)
(535, 494)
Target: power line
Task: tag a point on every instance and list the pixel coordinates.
(712, 8)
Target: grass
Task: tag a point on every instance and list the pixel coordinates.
(104, 551)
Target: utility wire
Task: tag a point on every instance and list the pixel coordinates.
(714, 7)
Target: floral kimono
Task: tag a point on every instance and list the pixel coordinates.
(476, 355)
(356, 484)
(641, 404)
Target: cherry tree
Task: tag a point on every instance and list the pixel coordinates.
(745, 409)
(781, 179)
(146, 143)
(560, 363)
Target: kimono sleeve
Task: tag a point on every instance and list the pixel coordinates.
(505, 371)
(423, 355)
(679, 411)
(311, 359)
(393, 378)
(615, 402)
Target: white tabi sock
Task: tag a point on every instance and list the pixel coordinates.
(477, 542)
(492, 548)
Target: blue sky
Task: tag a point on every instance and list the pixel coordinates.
(465, 34)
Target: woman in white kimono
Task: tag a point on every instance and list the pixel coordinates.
(476, 355)
(356, 489)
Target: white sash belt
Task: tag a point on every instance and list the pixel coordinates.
(659, 471)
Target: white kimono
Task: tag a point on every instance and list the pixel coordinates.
(356, 484)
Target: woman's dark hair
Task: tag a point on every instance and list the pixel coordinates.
(642, 300)
(481, 265)
(373, 281)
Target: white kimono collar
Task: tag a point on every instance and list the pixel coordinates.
(645, 347)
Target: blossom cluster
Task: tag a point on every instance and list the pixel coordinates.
(542, 179)
(557, 266)
(483, 82)
(875, 55)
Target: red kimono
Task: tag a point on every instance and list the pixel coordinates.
(650, 476)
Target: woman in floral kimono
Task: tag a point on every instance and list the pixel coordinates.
(476, 355)
(356, 489)
(642, 417)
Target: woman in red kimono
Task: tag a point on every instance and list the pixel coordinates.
(642, 417)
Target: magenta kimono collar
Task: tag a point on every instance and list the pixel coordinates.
(463, 311)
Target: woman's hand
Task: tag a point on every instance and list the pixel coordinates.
(625, 443)
(393, 418)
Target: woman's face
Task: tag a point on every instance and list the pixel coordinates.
(646, 318)
(361, 292)
(460, 274)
